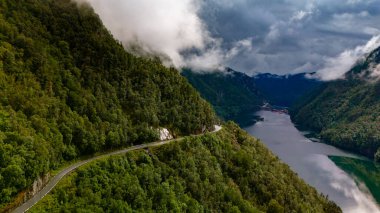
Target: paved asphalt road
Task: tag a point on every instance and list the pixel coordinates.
(53, 181)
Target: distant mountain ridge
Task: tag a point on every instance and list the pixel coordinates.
(233, 94)
(285, 90)
(346, 112)
(237, 96)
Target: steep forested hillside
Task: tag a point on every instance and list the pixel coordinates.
(68, 89)
(233, 95)
(285, 90)
(365, 171)
(224, 172)
(347, 112)
(236, 96)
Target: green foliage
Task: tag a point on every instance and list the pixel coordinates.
(233, 95)
(377, 156)
(274, 207)
(363, 171)
(68, 89)
(224, 172)
(346, 113)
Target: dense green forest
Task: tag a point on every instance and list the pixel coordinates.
(365, 171)
(224, 172)
(346, 112)
(68, 89)
(233, 95)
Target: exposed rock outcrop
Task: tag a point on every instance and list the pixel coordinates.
(165, 134)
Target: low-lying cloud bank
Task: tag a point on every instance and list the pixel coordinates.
(317, 36)
(170, 29)
(335, 67)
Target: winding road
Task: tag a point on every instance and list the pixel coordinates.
(54, 181)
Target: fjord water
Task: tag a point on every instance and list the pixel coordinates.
(310, 160)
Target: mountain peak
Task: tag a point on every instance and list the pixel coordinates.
(367, 68)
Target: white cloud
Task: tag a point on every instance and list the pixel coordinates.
(300, 15)
(376, 71)
(355, 2)
(373, 71)
(371, 31)
(304, 68)
(214, 58)
(205, 33)
(355, 192)
(336, 67)
(166, 28)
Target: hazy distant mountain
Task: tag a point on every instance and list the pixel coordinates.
(233, 94)
(347, 112)
(285, 90)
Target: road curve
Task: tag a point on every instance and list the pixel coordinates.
(54, 181)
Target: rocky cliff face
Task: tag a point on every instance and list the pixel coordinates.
(22, 197)
(165, 134)
(37, 186)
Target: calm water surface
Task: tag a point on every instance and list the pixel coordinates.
(310, 161)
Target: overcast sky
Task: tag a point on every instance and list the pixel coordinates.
(291, 36)
(277, 36)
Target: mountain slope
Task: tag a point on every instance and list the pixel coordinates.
(346, 113)
(285, 90)
(233, 95)
(224, 172)
(68, 89)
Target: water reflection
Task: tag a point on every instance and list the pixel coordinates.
(310, 161)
